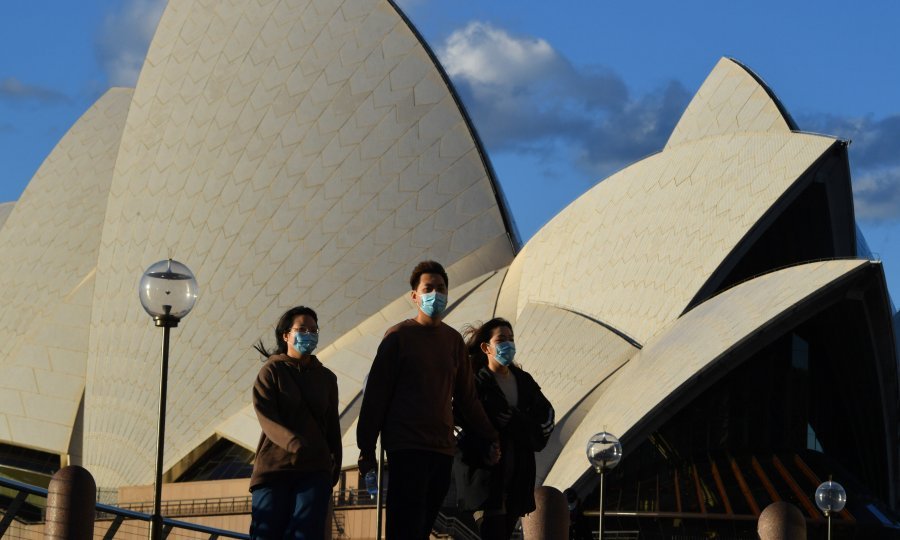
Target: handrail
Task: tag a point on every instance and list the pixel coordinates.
(212, 531)
(21, 486)
(122, 513)
(196, 507)
(454, 527)
(347, 498)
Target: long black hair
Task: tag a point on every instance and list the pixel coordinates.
(283, 327)
(476, 335)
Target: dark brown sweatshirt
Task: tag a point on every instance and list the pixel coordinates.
(419, 375)
(297, 408)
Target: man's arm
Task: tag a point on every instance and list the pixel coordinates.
(270, 420)
(377, 395)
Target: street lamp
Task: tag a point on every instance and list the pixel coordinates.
(830, 497)
(167, 291)
(604, 451)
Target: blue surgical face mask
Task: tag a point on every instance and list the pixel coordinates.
(305, 343)
(433, 304)
(505, 352)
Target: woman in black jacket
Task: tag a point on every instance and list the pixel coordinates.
(500, 494)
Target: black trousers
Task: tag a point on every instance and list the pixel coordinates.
(418, 483)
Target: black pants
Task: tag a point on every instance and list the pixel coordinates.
(418, 483)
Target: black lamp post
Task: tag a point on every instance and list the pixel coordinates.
(604, 451)
(167, 291)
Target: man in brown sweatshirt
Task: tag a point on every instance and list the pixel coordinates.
(420, 374)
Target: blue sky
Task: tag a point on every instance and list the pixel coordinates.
(562, 93)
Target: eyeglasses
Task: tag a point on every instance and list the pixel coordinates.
(305, 330)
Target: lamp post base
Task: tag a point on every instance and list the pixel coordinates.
(156, 528)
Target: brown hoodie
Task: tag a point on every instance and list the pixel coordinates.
(419, 376)
(297, 407)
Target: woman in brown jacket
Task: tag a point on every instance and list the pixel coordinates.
(298, 459)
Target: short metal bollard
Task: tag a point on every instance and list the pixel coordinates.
(71, 499)
(781, 521)
(550, 520)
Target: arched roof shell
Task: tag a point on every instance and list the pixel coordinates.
(5, 210)
(732, 99)
(50, 242)
(635, 249)
(289, 153)
(675, 359)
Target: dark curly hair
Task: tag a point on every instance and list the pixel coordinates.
(476, 335)
(427, 267)
(282, 328)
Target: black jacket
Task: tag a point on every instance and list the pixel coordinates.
(480, 487)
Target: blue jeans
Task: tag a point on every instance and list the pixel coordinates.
(298, 509)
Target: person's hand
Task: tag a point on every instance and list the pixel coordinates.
(494, 454)
(366, 462)
(503, 417)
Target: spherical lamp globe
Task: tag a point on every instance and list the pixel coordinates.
(604, 451)
(831, 497)
(168, 291)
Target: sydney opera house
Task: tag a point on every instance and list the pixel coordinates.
(714, 304)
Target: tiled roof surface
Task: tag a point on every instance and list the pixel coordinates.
(288, 153)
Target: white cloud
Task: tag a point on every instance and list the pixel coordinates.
(874, 161)
(485, 55)
(876, 194)
(526, 97)
(124, 37)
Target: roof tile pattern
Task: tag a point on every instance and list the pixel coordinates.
(701, 338)
(729, 101)
(474, 303)
(570, 356)
(636, 248)
(567, 354)
(5, 210)
(51, 240)
(289, 152)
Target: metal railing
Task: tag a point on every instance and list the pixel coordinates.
(23, 515)
(618, 535)
(111, 522)
(352, 497)
(453, 527)
(196, 507)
